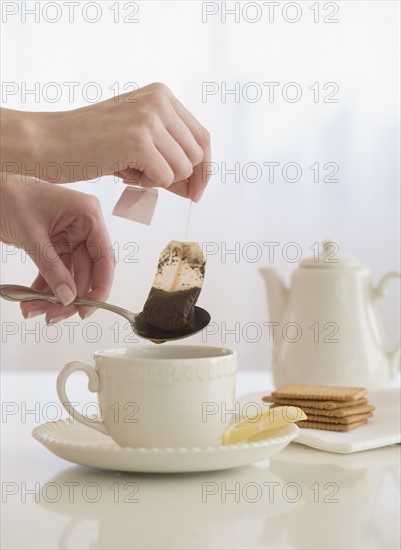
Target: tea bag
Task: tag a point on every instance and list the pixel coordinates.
(170, 305)
(137, 203)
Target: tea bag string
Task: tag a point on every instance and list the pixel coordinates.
(188, 220)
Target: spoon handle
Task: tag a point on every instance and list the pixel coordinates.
(18, 293)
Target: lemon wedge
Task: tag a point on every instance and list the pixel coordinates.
(275, 417)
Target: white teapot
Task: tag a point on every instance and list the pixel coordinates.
(325, 328)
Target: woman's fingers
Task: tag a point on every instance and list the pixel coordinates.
(174, 155)
(81, 269)
(167, 165)
(199, 179)
(103, 265)
(200, 176)
(180, 188)
(173, 147)
(54, 271)
(154, 169)
(36, 307)
(54, 277)
(184, 136)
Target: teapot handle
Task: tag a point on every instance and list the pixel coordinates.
(379, 292)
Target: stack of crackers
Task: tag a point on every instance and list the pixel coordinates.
(334, 408)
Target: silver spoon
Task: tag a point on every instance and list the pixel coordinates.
(18, 293)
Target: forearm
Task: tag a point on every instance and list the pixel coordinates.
(10, 188)
(3, 210)
(50, 146)
(24, 141)
(152, 139)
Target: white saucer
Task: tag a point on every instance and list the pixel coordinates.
(77, 443)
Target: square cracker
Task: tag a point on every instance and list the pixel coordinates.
(335, 413)
(321, 393)
(344, 420)
(330, 426)
(326, 405)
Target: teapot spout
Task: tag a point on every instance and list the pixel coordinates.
(277, 293)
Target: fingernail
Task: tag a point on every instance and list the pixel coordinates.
(65, 294)
(34, 313)
(90, 312)
(199, 196)
(56, 320)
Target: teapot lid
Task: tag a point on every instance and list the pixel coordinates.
(329, 257)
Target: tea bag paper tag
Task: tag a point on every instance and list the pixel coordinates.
(137, 204)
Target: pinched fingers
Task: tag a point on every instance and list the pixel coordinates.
(36, 307)
(102, 267)
(200, 176)
(170, 146)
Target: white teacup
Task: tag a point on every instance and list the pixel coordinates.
(156, 396)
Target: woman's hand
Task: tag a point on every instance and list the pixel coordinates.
(146, 136)
(64, 233)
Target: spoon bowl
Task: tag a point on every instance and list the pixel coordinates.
(18, 293)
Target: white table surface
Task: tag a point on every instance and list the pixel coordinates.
(320, 500)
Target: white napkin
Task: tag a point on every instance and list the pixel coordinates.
(382, 429)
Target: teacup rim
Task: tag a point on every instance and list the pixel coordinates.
(220, 353)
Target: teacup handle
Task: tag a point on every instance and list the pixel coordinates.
(380, 292)
(93, 386)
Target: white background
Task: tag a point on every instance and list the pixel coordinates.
(175, 43)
